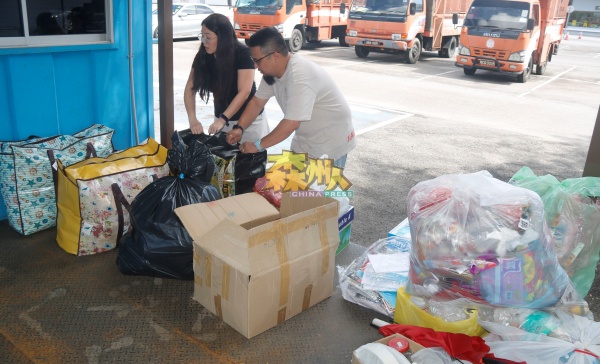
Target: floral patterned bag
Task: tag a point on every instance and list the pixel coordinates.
(88, 220)
(27, 183)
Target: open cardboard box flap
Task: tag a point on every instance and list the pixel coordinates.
(248, 233)
(233, 216)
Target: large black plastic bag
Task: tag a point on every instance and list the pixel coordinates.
(158, 245)
(247, 168)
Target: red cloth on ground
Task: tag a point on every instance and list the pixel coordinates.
(461, 346)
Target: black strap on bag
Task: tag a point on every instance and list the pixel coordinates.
(120, 202)
(90, 151)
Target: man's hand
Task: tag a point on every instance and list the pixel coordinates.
(234, 136)
(248, 147)
(196, 127)
(216, 126)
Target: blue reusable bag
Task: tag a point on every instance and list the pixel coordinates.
(27, 179)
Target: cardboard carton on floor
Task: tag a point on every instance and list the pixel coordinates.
(254, 266)
(413, 346)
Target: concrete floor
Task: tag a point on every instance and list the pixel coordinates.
(59, 308)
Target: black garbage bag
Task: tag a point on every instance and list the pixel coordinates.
(235, 172)
(157, 244)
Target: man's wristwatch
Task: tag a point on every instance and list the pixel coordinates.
(236, 126)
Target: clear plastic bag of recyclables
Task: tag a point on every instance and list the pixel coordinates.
(158, 245)
(372, 280)
(480, 238)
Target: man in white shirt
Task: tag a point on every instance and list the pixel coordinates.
(312, 105)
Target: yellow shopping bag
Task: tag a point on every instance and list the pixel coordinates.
(407, 313)
(88, 220)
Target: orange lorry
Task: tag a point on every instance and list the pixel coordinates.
(405, 26)
(511, 36)
(299, 21)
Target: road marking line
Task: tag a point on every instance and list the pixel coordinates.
(545, 83)
(383, 123)
(377, 107)
(582, 81)
(348, 64)
(438, 74)
(308, 52)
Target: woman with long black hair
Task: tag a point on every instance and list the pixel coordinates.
(223, 67)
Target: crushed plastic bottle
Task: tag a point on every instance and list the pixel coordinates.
(534, 321)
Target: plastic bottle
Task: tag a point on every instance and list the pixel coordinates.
(447, 311)
(534, 321)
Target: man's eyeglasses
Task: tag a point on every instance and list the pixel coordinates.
(205, 39)
(261, 58)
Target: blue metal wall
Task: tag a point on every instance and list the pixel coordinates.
(47, 91)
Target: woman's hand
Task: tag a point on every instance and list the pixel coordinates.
(216, 126)
(196, 127)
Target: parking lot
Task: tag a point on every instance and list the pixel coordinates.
(382, 83)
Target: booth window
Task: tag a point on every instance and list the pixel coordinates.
(38, 23)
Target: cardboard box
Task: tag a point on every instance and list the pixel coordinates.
(254, 266)
(414, 347)
(345, 227)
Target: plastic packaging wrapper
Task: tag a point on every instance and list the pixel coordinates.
(476, 237)
(376, 287)
(572, 210)
(377, 353)
(402, 230)
(447, 316)
(433, 356)
(544, 322)
(516, 344)
(159, 245)
(235, 172)
(269, 194)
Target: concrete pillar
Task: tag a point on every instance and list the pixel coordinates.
(592, 163)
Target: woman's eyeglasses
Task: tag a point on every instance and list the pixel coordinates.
(205, 39)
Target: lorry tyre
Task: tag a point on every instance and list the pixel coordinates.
(469, 71)
(361, 52)
(412, 55)
(523, 77)
(540, 69)
(342, 41)
(450, 51)
(452, 48)
(296, 41)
